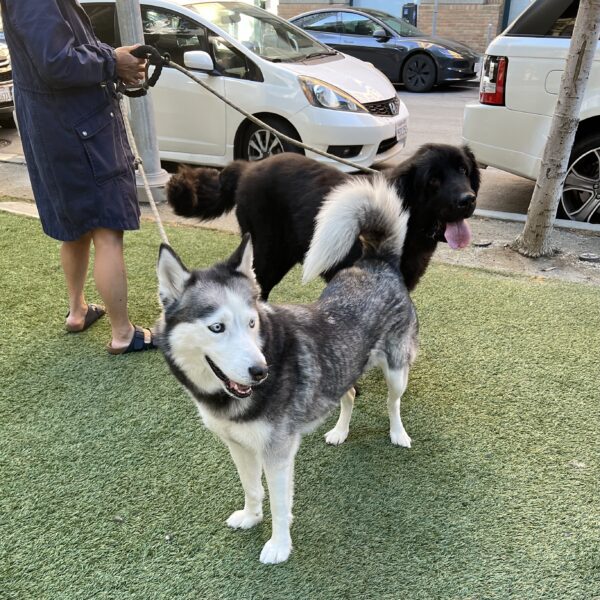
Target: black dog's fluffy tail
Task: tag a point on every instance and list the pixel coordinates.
(204, 193)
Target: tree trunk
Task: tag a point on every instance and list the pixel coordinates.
(535, 240)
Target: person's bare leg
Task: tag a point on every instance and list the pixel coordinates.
(74, 258)
(111, 280)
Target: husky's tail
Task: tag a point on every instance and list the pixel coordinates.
(204, 193)
(369, 208)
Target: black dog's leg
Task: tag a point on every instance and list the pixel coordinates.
(270, 267)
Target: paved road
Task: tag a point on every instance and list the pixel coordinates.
(434, 117)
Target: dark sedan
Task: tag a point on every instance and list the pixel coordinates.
(394, 46)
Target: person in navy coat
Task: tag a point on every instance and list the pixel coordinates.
(80, 164)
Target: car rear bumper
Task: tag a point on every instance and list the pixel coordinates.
(381, 138)
(506, 139)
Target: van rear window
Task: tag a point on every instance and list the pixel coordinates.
(546, 18)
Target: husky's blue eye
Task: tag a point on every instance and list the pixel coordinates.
(217, 328)
(252, 323)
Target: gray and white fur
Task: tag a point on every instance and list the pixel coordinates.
(262, 376)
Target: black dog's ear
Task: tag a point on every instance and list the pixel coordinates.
(475, 175)
(413, 182)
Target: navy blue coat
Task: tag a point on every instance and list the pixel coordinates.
(75, 144)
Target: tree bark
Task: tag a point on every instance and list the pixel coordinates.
(535, 240)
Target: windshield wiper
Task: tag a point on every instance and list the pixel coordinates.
(317, 54)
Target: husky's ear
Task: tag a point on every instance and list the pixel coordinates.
(241, 260)
(172, 275)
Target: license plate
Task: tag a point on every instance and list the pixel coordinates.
(5, 94)
(401, 131)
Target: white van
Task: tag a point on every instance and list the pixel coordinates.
(508, 127)
(270, 68)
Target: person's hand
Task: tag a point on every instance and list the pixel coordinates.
(130, 70)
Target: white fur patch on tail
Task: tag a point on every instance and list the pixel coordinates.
(358, 206)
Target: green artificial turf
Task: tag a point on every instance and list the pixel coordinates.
(111, 487)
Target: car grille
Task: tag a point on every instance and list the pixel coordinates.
(7, 76)
(387, 145)
(386, 108)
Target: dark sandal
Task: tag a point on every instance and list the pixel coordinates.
(94, 312)
(143, 339)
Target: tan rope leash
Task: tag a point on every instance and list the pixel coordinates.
(140, 165)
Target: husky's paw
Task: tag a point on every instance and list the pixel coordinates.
(400, 438)
(335, 437)
(241, 519)
(274, 552)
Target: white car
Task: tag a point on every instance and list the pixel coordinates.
(509, 126)
(270, 68)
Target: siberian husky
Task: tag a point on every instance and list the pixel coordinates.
(262, 376)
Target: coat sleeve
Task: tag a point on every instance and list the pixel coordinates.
(50, 44)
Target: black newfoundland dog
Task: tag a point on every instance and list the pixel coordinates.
(277, 200)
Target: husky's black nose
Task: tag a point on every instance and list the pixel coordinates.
(466, 200)
(258, 373)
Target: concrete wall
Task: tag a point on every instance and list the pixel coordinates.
(467, 22)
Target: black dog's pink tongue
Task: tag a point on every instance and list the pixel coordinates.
(458, 234)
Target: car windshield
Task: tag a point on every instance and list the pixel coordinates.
(264, 34)
(400, 26)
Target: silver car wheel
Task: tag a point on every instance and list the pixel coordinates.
(581, 191)
(263, 143)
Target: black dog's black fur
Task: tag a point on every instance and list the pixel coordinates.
(278, 199)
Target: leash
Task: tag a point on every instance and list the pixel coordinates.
(139, 163)
(158, 61)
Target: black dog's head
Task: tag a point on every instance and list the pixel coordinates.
(439, 184)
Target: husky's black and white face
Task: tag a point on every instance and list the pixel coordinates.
(211, 327)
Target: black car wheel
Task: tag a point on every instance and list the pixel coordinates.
(580, 200)
(259, 143)
(418, 73)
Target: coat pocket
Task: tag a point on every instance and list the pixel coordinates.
(101, 137)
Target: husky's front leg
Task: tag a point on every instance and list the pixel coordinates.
(397, 380)
(279, 470)
(339, 433)
(250, 471)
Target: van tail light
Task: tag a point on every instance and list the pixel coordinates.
(493, 80)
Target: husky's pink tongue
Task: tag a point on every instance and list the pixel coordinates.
(458, 234)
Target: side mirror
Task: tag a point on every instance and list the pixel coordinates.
(381, 34)
(198, 60)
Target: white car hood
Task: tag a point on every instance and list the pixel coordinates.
(356, 77)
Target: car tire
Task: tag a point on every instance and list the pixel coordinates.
(7, 121)
(580, 198)
(418, 73)
(258, 143)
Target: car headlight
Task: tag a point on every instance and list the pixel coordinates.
(325, 95)
(451, 53)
